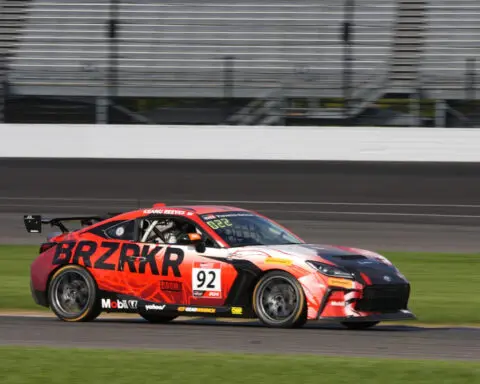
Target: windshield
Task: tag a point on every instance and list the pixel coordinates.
(240, 229)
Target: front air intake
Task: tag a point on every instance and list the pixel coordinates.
(384, 298)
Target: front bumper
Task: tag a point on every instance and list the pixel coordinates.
(383, 302)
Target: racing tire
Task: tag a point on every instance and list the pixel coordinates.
(279, 301)
(359, 325)
(73, 285)
(157, 319)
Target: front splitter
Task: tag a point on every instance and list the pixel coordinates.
(395, 316)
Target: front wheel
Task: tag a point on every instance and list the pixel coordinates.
(359, 325)
(72, 294)
(279, 301)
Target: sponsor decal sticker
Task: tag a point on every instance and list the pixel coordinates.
(219, 223)
(207, 294)
(119, 304)
(165, 212)
(115, 256)
(337, 303)
(235, 214)
(119, 231)
(274, 260)
(237, 310)
(342, 283)
(196, 310)
(174, 286)
(154, 307)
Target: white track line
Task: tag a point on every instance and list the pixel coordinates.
(384, 214)
(9, 198)
(336, 203)
(453, 216)
(76, 206)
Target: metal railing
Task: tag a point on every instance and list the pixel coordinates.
(338, 83)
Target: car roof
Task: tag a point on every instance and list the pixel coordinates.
(206, 209)
(195, 209)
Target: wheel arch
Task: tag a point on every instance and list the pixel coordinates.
(55, 270)
(272, 270)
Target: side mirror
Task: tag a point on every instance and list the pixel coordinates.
(197, 241)
(200, 247)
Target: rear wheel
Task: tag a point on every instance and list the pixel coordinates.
(158, 319)
(359, 325)
(72, 294)
(279, 301)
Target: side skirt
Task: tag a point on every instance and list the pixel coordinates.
(116, 303)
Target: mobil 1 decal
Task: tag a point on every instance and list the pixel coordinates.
(121, 257)
(207, 280)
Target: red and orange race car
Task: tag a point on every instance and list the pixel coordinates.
(163, 262)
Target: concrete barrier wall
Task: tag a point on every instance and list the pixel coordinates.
(239, 142)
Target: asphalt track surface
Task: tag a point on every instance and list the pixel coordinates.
(251, 337)
(412, 207)
(433, 207)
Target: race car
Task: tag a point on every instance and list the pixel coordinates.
(163, 262)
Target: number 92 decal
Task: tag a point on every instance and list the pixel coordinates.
(207, 280)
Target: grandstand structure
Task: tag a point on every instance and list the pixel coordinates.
(262, 55)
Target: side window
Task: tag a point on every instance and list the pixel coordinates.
(122, 231)
(169, 230)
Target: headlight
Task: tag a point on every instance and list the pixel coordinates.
(330, 270)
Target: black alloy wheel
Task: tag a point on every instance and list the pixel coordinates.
(279, 301)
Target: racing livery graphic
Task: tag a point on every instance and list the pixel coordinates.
(165, 262)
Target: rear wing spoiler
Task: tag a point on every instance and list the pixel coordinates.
(33, 223)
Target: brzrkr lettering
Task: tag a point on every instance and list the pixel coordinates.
(130, 257)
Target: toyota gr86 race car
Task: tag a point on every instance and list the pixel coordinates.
(164, 262)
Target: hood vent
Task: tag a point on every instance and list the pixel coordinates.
(350, 257)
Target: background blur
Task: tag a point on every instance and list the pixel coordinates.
(411, 194)
(274, 62)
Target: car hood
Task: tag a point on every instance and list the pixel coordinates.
(376, 267)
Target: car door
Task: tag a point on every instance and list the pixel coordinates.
(187, 276)
(118, 267)
(136, 269)
(210, 276)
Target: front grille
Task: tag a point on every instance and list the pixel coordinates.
(384, 298)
